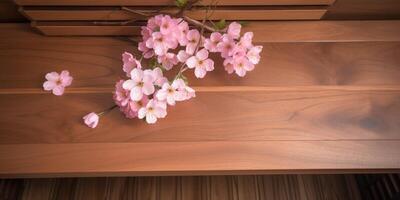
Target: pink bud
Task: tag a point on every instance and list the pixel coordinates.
(91, 120)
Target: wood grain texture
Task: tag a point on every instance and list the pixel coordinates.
(364, 9)
(190, 158)
(283, 187)
(165, 2)
(220, 116)
(95, 63)
(221, 13)
(272, 31)
(308, 107)
(9, 12)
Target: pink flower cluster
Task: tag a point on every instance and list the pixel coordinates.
(170, 42)
(239, 52)
(163, 35)
(147, 93)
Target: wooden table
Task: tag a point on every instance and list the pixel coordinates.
(324, 99)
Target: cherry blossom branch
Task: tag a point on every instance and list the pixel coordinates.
(107, 110)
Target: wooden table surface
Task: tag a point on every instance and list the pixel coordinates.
(325, 101)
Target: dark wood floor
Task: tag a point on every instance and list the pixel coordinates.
(276, 187)
(259, 187)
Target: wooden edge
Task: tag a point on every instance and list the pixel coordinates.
(91, 90)
(198, 158)
(121, 15)
(273, 31)
(166, 2)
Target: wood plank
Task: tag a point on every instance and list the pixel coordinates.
(273, 31)
(227, 14)
(220, 116)
(282, 187)
(9, 12)
(165, 2)
(364, 9)
(96, 65)
(172, 158)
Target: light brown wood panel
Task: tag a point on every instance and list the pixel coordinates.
(364, 9)
(166, 2)
(211, 116)
(96, 64)
(227, 14)
(272, 31)
(214, 157)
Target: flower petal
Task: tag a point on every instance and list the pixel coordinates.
(160, 112)
(137, 75)
(142, 112)
(136, 93)
(58, 90)
(191, 62)
(202, 54)
(148, 88)
(49, 85)
(199, 72)
(151, 118)
(128, 84)
(209, 64)
(52, 76)
(162, 95)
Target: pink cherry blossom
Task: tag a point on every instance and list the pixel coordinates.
(161, 43)
(158, 77)
(152, 112)
(147, 53)
(228, 65)
(131, 109)
(168, 60)
(241, 65)
(193, 37)
(129, 63)
(121, 96)
(201, 63)
(57, 82)
(186, 92)
(182, 56)
(91, 120)
(246, 40)
(254, 54)
(226, 46)
(181, 32)
(154, 22)
(171, 92)
(146, 33)
(211, 43)
(168, 25)
(234, 30)
(139, 84)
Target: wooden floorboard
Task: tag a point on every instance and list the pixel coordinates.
(264, 31)
(308, 107)
(281, 187)
(229, 13)
(95, 62)
(211, 116)
(198, 158)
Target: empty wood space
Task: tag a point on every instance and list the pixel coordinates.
(330, 106)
